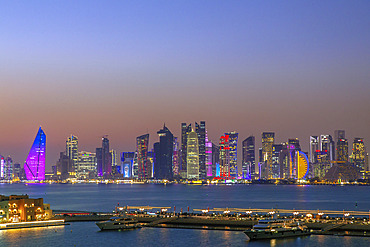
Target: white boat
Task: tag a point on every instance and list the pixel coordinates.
(118, 223)
(276, 228)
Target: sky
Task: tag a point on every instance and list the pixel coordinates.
(124, 68)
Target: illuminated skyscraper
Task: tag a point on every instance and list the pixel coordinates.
(72, 151)
(176, 157)
(185, 130)
(142, 156)
(233, 153)
(339, 134)
(209, 158)
(164, 152)
(215, 160)
(276, 150)
(314, 146)
(34, 166)
(342, 151)
(192, 156)
(86, 165)
(327, 145)
(359, 153)
(200, 129)
(127, 163)
(249, 160)
(224, 156)
(104, 159)
(268, 139)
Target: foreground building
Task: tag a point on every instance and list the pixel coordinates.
(34, 166)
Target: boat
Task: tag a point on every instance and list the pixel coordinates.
(31, 224)
(118, 223)
(277, 228)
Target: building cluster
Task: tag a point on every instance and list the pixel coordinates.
(193, 156)
(21, 208)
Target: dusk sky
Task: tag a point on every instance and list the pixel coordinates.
(123, 68)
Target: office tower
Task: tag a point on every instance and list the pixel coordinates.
(285, 160)
(142, 156)
(293, 146)
(34, 166)
(314, 146)
(150, 163)
(176, 158)
(233, 153)
(6, 168)
(86, 165)
(64, 166)
(327, 145)
(163, 152)
(192, 156)
(185, 130)
(224, 156)
(342, 151)
(17, 171)
(104, 159)
(127, 162)
(215, 160)
(2, 167)
(200, 129)
(249, 161)
(209, 158)
(72, 151)
(276, 150)
(268, 139)
(113, 155)
(302, 165)
(359, 153)
(99, 161)
(339, 134)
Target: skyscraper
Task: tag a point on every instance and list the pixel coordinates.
(86, 165)
(34, 166)
(127, 162)
(209, 158)
(192, 156)
(142, 156)
(200, 129)
(163, 152)
(72, 151)
(314, 146)
(224, 156)
(327, 145)
(215, 160)
(185, 130)
(342, 151)
(359, 153)
(176, 157)
(276, 150)
(233, 153)
(268, 139)
(249, 160)
(104, 159)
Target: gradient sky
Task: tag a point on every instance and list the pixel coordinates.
(123, 68)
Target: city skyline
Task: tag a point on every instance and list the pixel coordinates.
(123, 69)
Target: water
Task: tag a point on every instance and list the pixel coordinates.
(103, 198)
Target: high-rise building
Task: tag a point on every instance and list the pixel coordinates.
(185, 130)
(104, 159)
(34, 166)
(113, 155)
(72, 151)
(327, 144)
(268, 139)
(233, 153)
(86, 165)
(209, 158)
(142, 156)
(200, 129)
(314, 146)
(127, 162)
(6, 168)
(276, 150)
(176, 158)
(163, 152)
(359, 153)
(339, 134)
(249, 160)
(215, 160)
(342, 151)
(192, 156)
(224, 156)
(64, 166)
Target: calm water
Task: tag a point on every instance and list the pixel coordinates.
(103, 198)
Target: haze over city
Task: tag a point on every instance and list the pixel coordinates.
(123, 69)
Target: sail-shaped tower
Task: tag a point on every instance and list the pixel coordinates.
(35, 162)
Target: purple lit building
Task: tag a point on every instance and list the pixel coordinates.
(35, 162)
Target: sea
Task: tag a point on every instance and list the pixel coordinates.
(104, 198)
